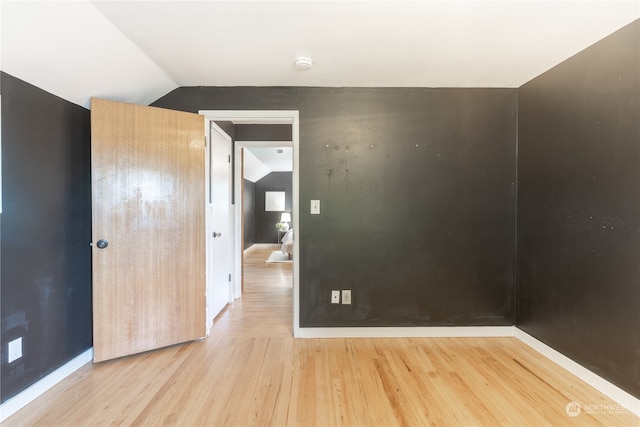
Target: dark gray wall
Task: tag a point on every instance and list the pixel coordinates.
(417, 209)
(249, 211)
(579, 208)
(266, 221)
(46, 231)
(270, 132)
(228, 127)
(417, 190)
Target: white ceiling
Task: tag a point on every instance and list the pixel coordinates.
(364, 43)
(279, 159)
(138, 51)
(70, 49)
(260, 161)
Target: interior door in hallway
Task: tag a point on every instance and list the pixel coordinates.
(220, 238)
(148, 199)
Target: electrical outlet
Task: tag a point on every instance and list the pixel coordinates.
(346, 296)
(335, 297)
(15, 350)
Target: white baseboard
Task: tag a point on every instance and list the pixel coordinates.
(408, 332)
(624, 399)
(22, 399)
(629, 402)
(610, 390)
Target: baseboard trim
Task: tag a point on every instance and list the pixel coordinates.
(624, 399)
(22, 399)
(409, 332)
(610, 390)
(628, 401)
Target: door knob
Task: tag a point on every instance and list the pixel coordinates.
(102, 243)
(216, 234)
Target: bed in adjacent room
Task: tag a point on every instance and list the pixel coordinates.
(286, 243)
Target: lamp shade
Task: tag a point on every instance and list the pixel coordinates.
(286, 217)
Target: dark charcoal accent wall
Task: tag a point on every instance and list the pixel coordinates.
(417, 190)
(46, 231)
(266, 221)
(579, 208)
(273, 132)
(249, 209)
(228, 127)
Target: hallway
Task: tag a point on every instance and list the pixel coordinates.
(265, 308)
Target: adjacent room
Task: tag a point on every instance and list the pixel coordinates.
(431, 213)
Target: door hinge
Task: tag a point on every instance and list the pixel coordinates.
(229, 276)
(229, 158)
(205, 142)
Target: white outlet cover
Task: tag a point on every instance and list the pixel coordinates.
(15, 350)
(346, 296)
(335, 297)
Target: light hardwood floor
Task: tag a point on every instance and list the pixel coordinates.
(251, 372)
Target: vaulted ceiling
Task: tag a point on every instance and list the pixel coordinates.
(138, 51)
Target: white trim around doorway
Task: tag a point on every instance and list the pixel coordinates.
(265, 117)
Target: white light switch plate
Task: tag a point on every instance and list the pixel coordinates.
(315, 207)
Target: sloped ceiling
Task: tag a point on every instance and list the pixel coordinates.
(254, 168)
(71, 50)
(278, 158)
(138, 51)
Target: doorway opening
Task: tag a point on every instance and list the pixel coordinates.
(237, 246)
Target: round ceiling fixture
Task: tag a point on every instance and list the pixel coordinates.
(303, 63)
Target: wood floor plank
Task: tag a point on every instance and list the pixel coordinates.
(252, 372)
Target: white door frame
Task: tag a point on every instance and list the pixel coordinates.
(265, 117)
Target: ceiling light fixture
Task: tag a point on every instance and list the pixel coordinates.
(303, 63)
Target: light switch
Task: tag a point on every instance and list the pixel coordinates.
(315, 207)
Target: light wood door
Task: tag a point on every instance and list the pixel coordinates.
(148, 202)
